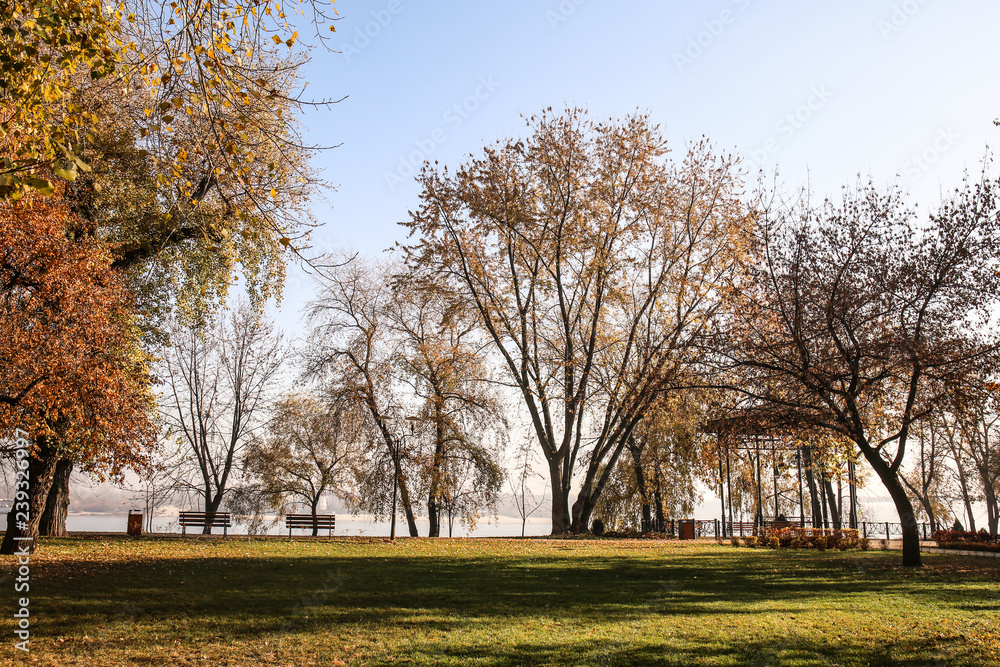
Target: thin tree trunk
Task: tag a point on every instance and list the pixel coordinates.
(57, 504)
(816, 509)
(404, 500)
(992, 509)
(433, 512)
(964, 486)
(433, 518)
(929, 511)
(640, 480)
(831, 499)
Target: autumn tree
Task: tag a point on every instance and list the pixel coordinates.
(219, 377)
(175, 131)
(352, 352)
(73, 373)
(583, 248)
(665, 459)
(175, 250)
(857, 317)
(216, 63)
(441, 357)
(970, 427)
(308, 451)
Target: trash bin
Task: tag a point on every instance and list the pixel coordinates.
(135, 522)
(687, 529)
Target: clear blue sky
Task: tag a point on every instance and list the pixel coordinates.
(904, 91)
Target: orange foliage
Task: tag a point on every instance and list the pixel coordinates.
(70, 362)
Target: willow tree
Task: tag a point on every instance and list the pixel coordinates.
(858, 317)
(667, 456)
(352, 352)
(590, 259)
(308, 451)
(461, 417)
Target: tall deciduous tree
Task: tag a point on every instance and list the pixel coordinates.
(583, 248)
(219, 379)
(857, 317)
(222, 65)
(175, 248)
(353, 351)
(72, 373)
(441, 357)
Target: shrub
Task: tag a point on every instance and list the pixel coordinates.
(750, 541)
(598, 527)
(864, 543)
(952, 537)
(809, 538)
(734, 540)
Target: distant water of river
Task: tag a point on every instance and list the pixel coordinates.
(346, 525)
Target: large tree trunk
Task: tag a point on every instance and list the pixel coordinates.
(41, 471)
(433, 511)
(561, 519)
(433, 518)
(904, 508)
(211, 507)
(57, 505)
(315, 509)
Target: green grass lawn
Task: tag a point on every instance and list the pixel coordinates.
(160, 601)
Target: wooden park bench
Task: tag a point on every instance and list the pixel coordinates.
(201, 519)
(741, 528)
(310, 521)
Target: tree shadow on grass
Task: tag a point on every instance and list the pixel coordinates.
(230, 599)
